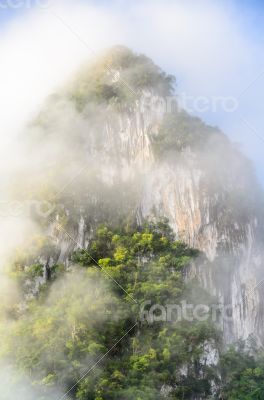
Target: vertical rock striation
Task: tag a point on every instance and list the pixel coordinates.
(178, 167)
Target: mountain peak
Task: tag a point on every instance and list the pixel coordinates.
(118, 75)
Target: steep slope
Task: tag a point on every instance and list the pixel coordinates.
(128, 156)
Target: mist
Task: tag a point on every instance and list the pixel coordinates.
(65, 170)
(42, 47)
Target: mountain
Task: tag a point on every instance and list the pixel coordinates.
(113, 148)
(141, 155)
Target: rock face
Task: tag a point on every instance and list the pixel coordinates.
(234, 274)
(228, 232)
(180, 169)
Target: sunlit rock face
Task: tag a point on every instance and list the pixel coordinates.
(200, 213)
(145, 160)
(204, 219)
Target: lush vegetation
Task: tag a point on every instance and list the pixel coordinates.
(179, 130)
(242, 374)
(63, 333)
(81, 314)
(58, 330)
(119, 77)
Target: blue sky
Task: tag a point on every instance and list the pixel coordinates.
(7, 14)
(215, 48)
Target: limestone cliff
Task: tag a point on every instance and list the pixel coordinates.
(142, 159)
